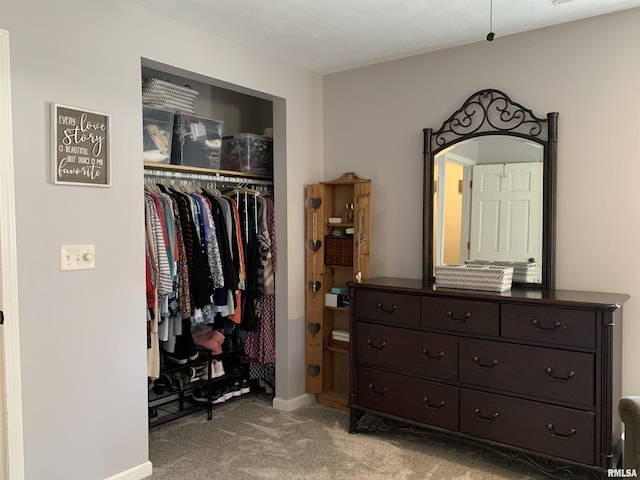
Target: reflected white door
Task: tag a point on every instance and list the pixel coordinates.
(506, 212)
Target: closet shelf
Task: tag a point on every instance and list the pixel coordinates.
(203, 171)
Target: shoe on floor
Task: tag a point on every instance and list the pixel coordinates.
(196, 373)
(205, 373)
(178, 380)
(218, 368)
(226, 392)
(217, 397)
(200, 395)
(244, 386)
(153, 414)
(179, 361)
(235, 388)
(160, 385)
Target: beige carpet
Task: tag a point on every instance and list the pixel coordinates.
(249, 440)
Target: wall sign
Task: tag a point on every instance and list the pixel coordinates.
(81, 147)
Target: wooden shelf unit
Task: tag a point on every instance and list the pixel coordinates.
(327, 366)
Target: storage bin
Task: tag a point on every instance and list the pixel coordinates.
(197, 141)
(523, 272)
(157, 132)
(248, 152)
(163, 94)
(474, 277)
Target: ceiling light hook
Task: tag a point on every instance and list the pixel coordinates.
(491, 35)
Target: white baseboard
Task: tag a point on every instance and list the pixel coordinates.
(143, 470)
(294, 403)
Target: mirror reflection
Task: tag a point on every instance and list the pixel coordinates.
(488, 204)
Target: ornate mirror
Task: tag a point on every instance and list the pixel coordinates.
(489, 189)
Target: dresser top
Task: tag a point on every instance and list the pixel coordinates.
(536, 296)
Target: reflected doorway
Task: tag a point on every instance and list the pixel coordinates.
(452, 205)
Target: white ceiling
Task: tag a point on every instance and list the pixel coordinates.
(327, 36)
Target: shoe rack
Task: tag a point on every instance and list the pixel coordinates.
(337, 251)
(176, 399)
(199, 383)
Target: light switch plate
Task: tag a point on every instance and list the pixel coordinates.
(77, 257)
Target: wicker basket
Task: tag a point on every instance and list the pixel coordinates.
(163, 94)
(523, 272)
(475, 277)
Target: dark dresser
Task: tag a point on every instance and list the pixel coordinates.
(537, 371)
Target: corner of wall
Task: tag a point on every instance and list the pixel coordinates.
(144, 470)
(294, 403)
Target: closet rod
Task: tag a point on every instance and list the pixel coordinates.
(205, 177)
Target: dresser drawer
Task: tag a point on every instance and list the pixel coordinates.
(543, 428)
(408, 397)
(422, 353)
(562, 326)
(543, 372)
(461, 315)
(388, 307)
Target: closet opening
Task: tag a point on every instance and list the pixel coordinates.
(211, 241)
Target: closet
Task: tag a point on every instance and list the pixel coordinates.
(211, 249)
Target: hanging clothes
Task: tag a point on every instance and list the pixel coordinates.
(209, 261)
(260, 346)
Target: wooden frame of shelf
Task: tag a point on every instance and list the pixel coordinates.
(327, 362)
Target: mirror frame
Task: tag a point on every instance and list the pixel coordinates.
(492, 112)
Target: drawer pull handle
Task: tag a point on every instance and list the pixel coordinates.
(451, 317)
(491, 364)
(377, 393)
(549, 371)
(436, 357)
(482, 418)
(384, 309)
(565, 436)
(380, 346)
(435, 406)
(554, 326)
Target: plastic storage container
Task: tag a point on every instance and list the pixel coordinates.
(197, 141)
(157, 131)
(248, 152)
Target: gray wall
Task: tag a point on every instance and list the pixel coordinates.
(587, 71)
(83, 349)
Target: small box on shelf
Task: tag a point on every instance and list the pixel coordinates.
(157, 131)
(339, 339)
(197, 141)
(340, 335)
(336, 300)
(249, 153)
(330, 300)
(344, 301)
(338, 250)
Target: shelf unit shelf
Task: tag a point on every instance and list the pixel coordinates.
(338, 309)
(337, 349)
(327, 366)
